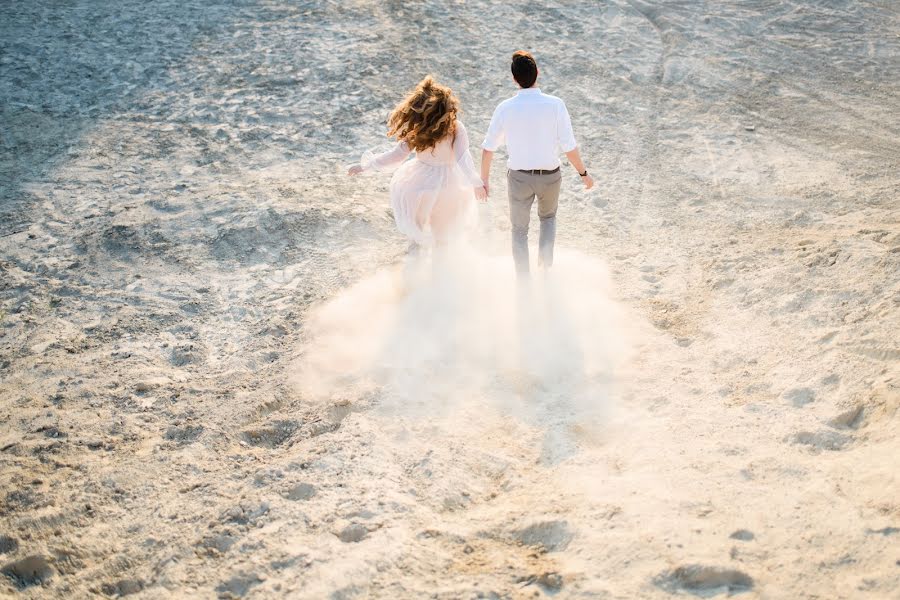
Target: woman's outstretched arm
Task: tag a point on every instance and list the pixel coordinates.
(385, 161)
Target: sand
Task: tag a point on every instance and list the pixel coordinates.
(219, 378)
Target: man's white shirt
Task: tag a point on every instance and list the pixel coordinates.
(534, 126)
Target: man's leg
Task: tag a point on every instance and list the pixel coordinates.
(521, 197)
(548, 201)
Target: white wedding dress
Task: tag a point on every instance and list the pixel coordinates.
(432, 195)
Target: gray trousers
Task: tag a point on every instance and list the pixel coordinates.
(523, 188)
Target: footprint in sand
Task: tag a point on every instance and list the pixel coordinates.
(551, 582)
(123, 587)
(238, 585)
(272, 435)
(8, 544)
(800, 397)
(301, 491)
(550, 536)
(215, 545)
(28, 571)
(821, 440)
(704, 579)
(352, 533)
(851, 418)
(183, 435)
(743, 535)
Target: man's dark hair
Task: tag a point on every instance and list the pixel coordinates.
(524, 69)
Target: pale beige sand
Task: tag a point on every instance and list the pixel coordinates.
(713, 410)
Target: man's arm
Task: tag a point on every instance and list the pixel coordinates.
(493, 139)
(567, 142)
(486, 157)
(574, 157)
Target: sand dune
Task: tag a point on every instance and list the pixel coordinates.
(218, 378)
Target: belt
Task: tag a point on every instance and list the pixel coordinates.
(538, 171)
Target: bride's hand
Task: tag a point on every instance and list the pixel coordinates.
(354, 170)
(481, 194)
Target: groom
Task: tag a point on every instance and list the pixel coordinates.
(535, 127)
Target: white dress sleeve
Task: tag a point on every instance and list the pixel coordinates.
(386, 161)
(464, 157)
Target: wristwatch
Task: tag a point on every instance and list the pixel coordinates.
(584, 174)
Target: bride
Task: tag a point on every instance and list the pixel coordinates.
(433, 196)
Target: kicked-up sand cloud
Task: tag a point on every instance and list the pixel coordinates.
(457, 331)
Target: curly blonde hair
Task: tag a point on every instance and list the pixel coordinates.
(425, 117)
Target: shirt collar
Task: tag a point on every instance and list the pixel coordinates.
(531, 90)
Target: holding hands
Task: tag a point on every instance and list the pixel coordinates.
(354, 170)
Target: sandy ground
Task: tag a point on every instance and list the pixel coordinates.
(220, 380)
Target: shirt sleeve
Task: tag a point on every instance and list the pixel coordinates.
(564, 134)
(495, 136)
(464, 157)
(386, 161)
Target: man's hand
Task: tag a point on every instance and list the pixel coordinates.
(588, 182)
(481, 194)
(487, 187)
(574, 157)
(354, 170)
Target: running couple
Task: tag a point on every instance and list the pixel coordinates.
(433, 196)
